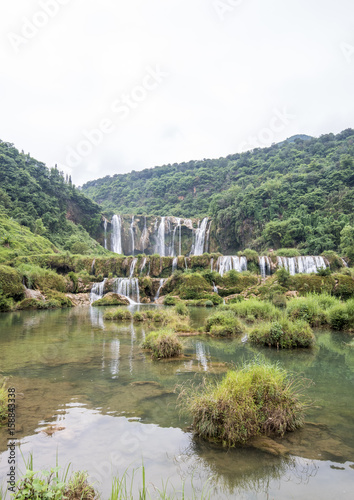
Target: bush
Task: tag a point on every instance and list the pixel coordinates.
(118, 315)
(279, 300)
(256, 399)
(223, 323)
(339, 317)
(209, 303)
(138, 316)
(11, 283)
(163, 344)
(257, 309)
(170, 301)
(284, 333)
(311, 308)
(288, 252)
(3, 402)
(181, 309)
(43, 279)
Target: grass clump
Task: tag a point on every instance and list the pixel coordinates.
(284, 334)
(163, 344)
(223, 324)
(118, 315)
(3, 402)
(181, 309)
(257, 399)
(254, 309)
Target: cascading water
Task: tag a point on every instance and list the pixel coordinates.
(344, 263)
(160, 238)
(117, 234)
(215, 288)
(174, 264)
(162, 282)
(228, 263)
(200, 237)
(207, 243)
(264, 265)
(105, 233)
(97, 291)
(143, 265)
(129, 288)
(131, 230)
(176, 228)
(132, 267)
(185, 263)
(211, 264)
(307, 264)
(144, 240)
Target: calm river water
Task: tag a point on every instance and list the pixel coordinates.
(116, 408)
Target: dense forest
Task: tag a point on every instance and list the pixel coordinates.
(46, 202)
(298, 193)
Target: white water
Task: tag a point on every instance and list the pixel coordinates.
(97, 291)
(215, 288)
(207, 243)
(200, 237)
(117, 234)
(264, 266)
(176, 228)
(306, 265)
(228, 263)
(129, 288)
(185, 263)
(162, 282)
(143, 265)
(144, 240)
(131, 230)
(211, 264)
(174, 264)
(132, 267)
(160, 238)
(105, 233)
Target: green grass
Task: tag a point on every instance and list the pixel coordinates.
(224, 324)
(254, 309)
(163, 344)
(284, 334)
(257, 399)
(3, 401)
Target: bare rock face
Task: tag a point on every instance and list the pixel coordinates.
(34, 294)
(292, 293)
(79, 299)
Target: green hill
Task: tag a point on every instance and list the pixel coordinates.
(47, 203)
(295, 194)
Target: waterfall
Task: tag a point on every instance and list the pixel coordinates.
(117, 234)
(228, 263)
(344, 263)
(97, 291)
(211, 264)
(162, 281)
(93, 267)
(180, 237)
(129, 288)
(307, 264)
(185, 263)
(200, 237)
(105, 233)
(174, 264)
(215, 288)
(176, 228)
(201, 355)
(264, 266)
(143, 265)
(131, 230)
(207, 243)
(144, 237)
(132, 267)
(160, 238)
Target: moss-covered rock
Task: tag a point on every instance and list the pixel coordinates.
(112, 299)
(11, 283)
(344, 286)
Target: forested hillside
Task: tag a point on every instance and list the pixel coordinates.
(46, 202)
(295, 194)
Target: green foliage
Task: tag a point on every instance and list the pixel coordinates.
(293, 194)
(118, 315)
(313, 308)
(3, 401)
(283, 333)
(163, 344)
(223, 324)
(41, 278)
(192, 286)
(170, 301)
(288, 252)
(257, 399)
(347, 242)
(282, 276)
(254, 309)
(10, 283)
(181, 309)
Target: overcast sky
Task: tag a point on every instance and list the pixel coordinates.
(109, 86)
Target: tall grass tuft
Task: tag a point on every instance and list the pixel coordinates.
(284, 334)
(163, 344)
(257, 399)
(254, 309)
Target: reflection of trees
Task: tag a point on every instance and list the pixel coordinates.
(236, 470)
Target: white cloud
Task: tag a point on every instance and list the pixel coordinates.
(225, 77)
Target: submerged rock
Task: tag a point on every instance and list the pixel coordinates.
(268, 445)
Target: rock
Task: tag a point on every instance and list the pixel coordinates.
(51, 429)
(268, 445)
(34, 294)
(292, 293)
(79, 299)
(112, 299)
(145, 300)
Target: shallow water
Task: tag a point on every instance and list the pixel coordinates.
(117, 408)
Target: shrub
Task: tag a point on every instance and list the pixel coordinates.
(311, 308)
(209, 303)
(169, 301)
(44, 279)
(3, 402)
(11, 283)
(279, 300)
(223, 323)
(283, 333)
(181, 309)
(118, 315)
(138, 316)
(282, 276)
(256, 399)
(339, 317)
(288, 252)
(163, 344)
